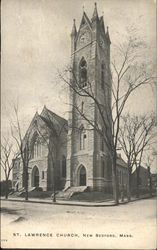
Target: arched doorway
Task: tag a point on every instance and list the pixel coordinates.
(35, 177)
(82, 176)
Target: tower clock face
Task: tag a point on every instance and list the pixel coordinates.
(84, 38)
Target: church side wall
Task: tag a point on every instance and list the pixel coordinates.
(61, 153)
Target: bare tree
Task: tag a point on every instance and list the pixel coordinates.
(135, 137)
(7, 164)
(126, 75)
(23, 146)
(146, 139)
(142, 141)
(53, 144)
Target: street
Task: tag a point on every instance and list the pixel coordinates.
(130, 225)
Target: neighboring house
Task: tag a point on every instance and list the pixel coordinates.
(143, 179)
(122, 172)
(17, 175)
(154, 182)
(80, 156)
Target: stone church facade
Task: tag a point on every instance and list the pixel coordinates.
(88, 159)
(79, 154)
(47, 140)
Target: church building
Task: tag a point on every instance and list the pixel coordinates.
(88, 161)
(75, 149)
(47, 140)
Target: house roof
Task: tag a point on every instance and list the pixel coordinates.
(141, 168)
(121, 162)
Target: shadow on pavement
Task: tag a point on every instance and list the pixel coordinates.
(8, 211)
(19, 219)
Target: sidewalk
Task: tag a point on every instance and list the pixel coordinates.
(75, 203)
(63, 202)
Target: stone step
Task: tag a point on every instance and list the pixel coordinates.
(21, 191)
(31, 189)
(68, 193)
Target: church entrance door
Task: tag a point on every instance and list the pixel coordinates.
(35, 177)
(82, 176)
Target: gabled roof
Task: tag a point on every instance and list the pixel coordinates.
(49, 124)
(141, 168)
(52, 121)
(121, 162)
(154, 175)
(50, 116)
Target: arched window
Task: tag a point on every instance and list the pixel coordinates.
(36, 148)
(43, 174)
(82, 176)
(83, 137)
(63, 166)
(103, 168)
(83, 73)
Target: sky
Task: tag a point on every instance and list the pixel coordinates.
(36, 44)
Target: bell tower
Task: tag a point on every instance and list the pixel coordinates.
(87, 154)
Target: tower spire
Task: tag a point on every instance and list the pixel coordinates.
(107, 35)
(95, 13)
(73, 37)
(74, 31)
(102, 22)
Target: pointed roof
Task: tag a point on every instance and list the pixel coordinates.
(101, 21)
(85, 18)
(52, 121)
(141, 168)
(91, 23)
(121, 162)
(47, 113)
(49, 117)
(107, 35)
(95, 13)
(49, 124)
(74, 30)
